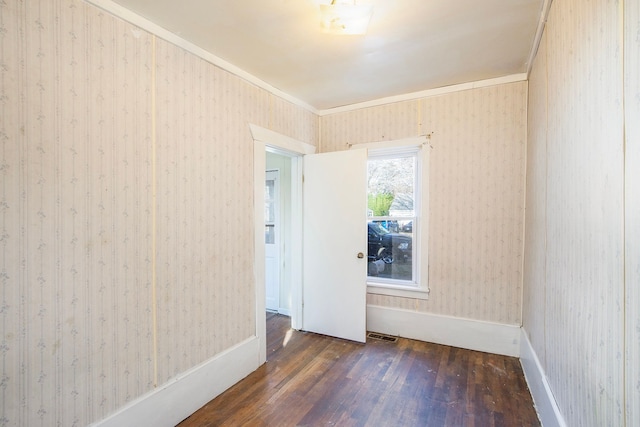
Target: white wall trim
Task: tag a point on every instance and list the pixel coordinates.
(426, 93)
(127, 15)
(139, 21)
(544, 15)
(477, 335)
(421, 146)
(259, 263)
(543, 398)
(176, 400)
(265, 139)
(279, 141)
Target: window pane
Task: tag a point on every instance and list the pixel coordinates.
(390, 253)
(391, 183)
(269, 212)
(269, 189)
(269, 234)
(391, 212)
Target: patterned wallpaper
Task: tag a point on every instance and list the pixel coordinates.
(383, 123)
(202, 213)
(476, 185)
(533, 310)
(292, 121)
(75, 197)
(574, 265)
(91, 110)
(632, 205)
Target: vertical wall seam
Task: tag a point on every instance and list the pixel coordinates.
(23, 209)
(625, 358)
(112, 224)
(524, 204)
(546, 201)
(270, 118)
(154, 214)
(419, 118)
(320, 119)
(59, 223)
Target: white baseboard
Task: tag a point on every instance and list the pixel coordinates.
(284, 312)
(176, 400)
(548, 411)
(489, 337)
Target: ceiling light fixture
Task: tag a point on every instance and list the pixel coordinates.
(342, 17)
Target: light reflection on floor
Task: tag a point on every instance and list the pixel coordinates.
(287, 337)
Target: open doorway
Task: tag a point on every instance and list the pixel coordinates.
(267, 141)
(274, 246)
(277, 240)
(278, 233)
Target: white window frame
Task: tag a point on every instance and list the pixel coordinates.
(419, 288)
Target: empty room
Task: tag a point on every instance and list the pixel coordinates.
(185, 189)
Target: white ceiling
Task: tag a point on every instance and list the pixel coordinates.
(411, 45)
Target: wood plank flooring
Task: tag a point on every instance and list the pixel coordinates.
(314, 380)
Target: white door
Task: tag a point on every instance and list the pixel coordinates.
(335, 244)
(272, 238)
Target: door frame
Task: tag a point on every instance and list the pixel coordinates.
(268, 140)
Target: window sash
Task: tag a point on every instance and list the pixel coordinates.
(419, 289)
(397, 153)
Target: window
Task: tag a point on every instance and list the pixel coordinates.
(270, 209)
(391, 183)
(396, 222)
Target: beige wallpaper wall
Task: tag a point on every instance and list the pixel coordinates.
(476, 185)
(632, 205)
(126, 172)
(575, 249)
(204, 208)
(535, 263)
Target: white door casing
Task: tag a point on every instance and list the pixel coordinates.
(265, 139)
(334, 277)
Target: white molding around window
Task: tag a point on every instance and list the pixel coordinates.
(409, 146)
(417, 141)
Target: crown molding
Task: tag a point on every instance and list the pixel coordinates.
(154, 29)
(426, 93)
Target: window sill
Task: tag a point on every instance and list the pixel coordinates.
(397, 291)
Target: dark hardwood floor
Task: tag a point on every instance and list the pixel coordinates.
(314, 380)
